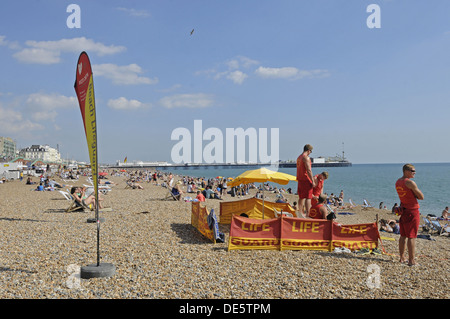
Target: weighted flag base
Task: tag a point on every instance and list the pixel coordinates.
(97, 271)
(94, 220)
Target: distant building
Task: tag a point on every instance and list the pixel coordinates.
(7, 147)
(43, 152)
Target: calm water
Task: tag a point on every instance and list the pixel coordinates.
(373, 182)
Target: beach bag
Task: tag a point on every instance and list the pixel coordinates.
(331, 216)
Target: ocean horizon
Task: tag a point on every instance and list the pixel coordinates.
(372, 182)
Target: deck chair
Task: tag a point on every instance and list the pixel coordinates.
(170, 195)
(279, 213)
(427, 226)
(102, 188)
(366, 204)
(351, 203)
(99, 185)
(129, 185)
(436, 226)
(90, 189)
(76, 206)
(66, 195)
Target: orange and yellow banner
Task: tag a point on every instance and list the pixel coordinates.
(305, 233)
(355, 237)
(84, 87)
(252, 207)
(199, 219)
(247, 233)
(288, 233)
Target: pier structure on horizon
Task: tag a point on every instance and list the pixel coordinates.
(320, 162)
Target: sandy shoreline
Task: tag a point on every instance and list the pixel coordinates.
(158, 254)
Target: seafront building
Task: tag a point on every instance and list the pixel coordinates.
(44, 153)
(7, 147)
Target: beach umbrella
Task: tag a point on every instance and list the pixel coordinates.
(262, 175)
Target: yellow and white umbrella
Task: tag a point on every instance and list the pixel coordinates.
(262, 175)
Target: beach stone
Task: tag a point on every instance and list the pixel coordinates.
(161, 256)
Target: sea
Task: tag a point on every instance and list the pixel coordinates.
(372, 182)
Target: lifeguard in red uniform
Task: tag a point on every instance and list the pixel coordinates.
(409, 193)
(305, 180)
(319, 211)
(318, 189)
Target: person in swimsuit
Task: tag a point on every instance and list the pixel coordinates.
(79, 193)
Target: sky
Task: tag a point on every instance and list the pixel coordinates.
(339, 75)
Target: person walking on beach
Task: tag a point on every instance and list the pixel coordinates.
(305, 180)
(409, 193)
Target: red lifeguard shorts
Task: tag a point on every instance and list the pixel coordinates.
(409, 223)
(304, 189)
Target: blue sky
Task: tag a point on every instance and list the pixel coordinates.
(312, 69)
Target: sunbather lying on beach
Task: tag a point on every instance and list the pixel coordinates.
(134, 185)
(389, 226)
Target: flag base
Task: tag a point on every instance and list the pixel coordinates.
(97, 271)
(94, 220)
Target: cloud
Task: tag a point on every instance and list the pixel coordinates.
(44, 107)
(49, 52)
(12, 122)
(126, 75)
(198, 100)
(237, 77)
(289, 73)
(124, 104)
(134, 12)
(2, 40)
(241, 61)
(51, 101)
(234, 71)
(37, 56)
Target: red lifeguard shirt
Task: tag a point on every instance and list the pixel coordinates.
(314, 212)
(301, 169)
(318, 189)
(407, 197)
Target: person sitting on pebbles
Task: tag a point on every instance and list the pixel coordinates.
(81, 199)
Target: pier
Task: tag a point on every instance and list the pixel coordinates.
(223, 165)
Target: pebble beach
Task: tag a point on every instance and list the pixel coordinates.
(159, 255)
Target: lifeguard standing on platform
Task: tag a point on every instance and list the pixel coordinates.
(305, 180)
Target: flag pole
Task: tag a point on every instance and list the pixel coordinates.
(84, 87)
